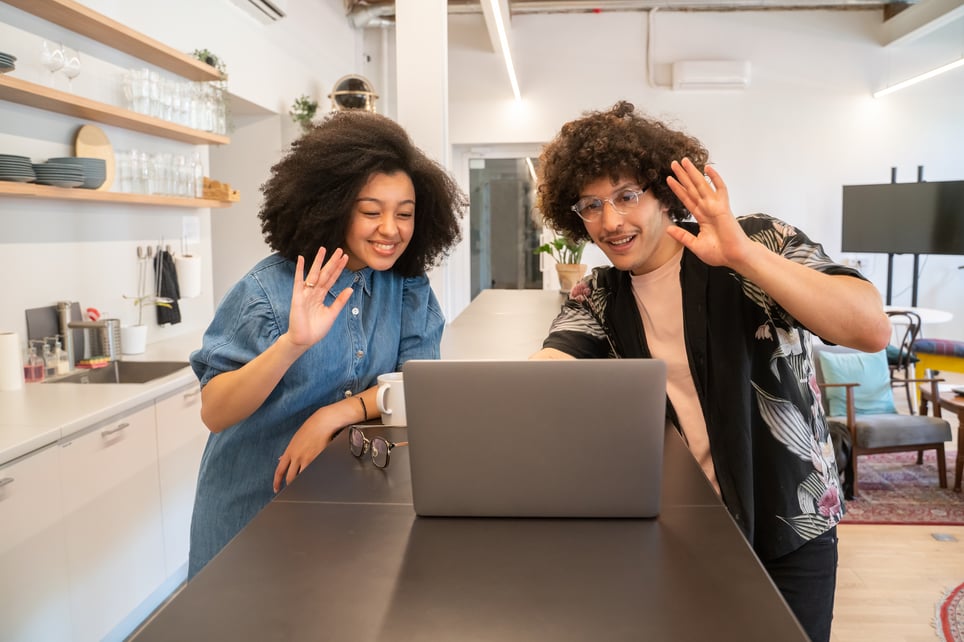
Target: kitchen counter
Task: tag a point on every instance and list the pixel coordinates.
(40, 414)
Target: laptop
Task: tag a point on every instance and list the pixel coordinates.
(555, 438)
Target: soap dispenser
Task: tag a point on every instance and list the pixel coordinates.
(33, 368)
(63, 363)
(50, 362)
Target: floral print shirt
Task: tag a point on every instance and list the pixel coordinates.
(753, 368)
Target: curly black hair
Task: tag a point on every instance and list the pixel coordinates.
(615, 143)
(310, 196)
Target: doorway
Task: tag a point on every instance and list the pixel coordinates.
(503, 231)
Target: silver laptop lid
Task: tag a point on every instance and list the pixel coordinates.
(556, 438)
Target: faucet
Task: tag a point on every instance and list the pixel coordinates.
(63, 321)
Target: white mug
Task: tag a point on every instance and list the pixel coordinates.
(391, 399)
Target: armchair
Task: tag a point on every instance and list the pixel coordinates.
(857, 394)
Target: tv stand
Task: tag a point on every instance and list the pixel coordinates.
(913, 283)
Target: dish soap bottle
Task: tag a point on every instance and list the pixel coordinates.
(63, 363)
(50, 362)
(33, 368)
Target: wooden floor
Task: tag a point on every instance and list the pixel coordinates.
(891, 578)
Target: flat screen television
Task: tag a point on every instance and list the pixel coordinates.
(904, 218)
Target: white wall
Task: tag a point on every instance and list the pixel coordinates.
(806, 126)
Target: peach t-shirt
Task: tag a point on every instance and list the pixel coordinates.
(660, 298)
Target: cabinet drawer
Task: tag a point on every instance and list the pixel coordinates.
(179, 421)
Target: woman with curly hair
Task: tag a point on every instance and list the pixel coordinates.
(729, 304)
(290, 357)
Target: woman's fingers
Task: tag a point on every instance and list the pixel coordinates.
(279, 472)
(333, 269)
(312, 279)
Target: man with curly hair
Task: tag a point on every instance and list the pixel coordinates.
(729, 304)
(292, 358)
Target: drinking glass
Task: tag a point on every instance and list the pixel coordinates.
(52, 56)
(71, 66)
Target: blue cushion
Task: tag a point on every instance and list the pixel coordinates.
(873, 396)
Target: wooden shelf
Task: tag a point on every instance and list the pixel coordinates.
(31, 190)
(34, 95)
(80, 19)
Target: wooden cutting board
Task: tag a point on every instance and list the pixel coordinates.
(91, 142)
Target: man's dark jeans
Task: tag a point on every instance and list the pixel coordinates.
(807, 578)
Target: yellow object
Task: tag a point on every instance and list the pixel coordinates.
(938, 362)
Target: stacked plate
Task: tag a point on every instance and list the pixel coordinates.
(7, 62)
(16, 168)
(59, 174)
(94, 169)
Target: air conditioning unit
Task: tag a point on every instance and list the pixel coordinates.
(264, 11)
(711, 74)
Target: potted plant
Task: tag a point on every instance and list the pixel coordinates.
(303, 111)
(211, 59)
(568, 256)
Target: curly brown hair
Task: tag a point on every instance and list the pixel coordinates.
(310, 196)
(615, 143)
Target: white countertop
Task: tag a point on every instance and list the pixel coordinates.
(42, 413)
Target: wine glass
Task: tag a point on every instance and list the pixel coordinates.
(52, 57)
(71, 66)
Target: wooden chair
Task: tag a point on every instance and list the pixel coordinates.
(900, 354)
(881, 432)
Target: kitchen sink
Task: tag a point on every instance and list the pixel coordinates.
(123, 372)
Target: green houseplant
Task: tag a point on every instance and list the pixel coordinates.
(303, 111)
(213, 60)
(563, 250)
(568, 256)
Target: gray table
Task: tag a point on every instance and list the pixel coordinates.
(340, 555)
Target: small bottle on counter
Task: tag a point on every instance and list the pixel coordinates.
(50, 362)
(63, 363)
(33, 367)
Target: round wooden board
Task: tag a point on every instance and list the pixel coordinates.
(91, 142)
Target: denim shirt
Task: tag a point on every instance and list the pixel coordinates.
(388, 320)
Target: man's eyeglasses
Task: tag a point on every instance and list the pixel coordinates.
(590, 208)
(380, 448)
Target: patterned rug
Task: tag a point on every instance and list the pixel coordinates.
(949, 619)
(895, 490)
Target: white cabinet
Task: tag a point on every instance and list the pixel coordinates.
(181, 436)
(115, 547)
(34, 595)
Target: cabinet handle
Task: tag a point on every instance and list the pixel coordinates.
(111, 431)
(5, 481)
(192, 394)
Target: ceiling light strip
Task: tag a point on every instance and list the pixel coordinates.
(921, 77)
(504, 42)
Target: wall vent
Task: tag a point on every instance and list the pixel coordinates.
(711, 74)
(264, 11)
